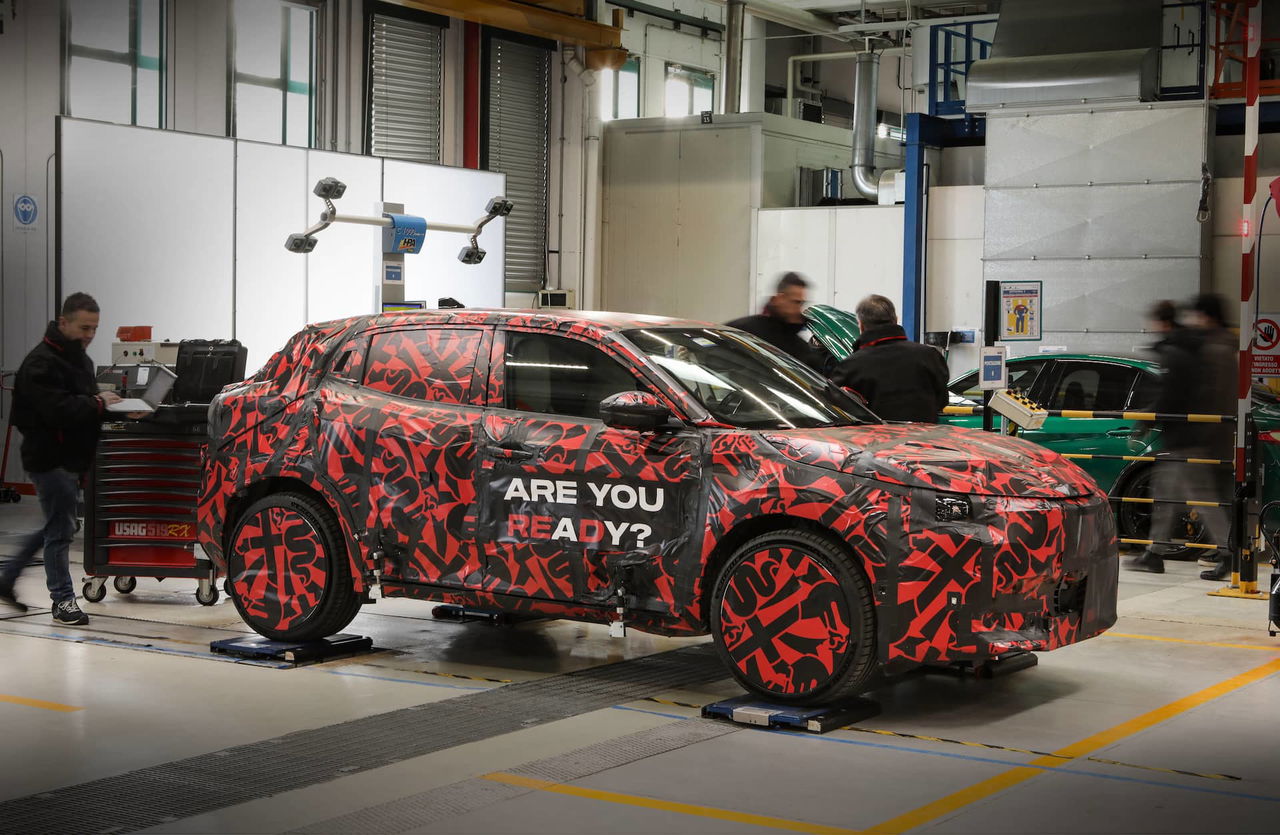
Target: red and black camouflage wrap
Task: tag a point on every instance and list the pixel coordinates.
(278, 568)
(785, 620)
(418, 489)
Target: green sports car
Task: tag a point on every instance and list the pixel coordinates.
(1093, 383)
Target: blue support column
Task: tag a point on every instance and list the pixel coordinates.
(913, 238)
(924, 132)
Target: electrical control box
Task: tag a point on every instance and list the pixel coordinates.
(1019, 409)
(165, 353)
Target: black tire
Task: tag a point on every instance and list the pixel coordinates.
(93, 592)
(1133, 519)
(316, 599)
(821, 587)
(125, 585)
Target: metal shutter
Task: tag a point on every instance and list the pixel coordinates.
(518, 124)
(405, 83)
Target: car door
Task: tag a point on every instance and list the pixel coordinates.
(1089, 385)
(400, 427)
(571, 509)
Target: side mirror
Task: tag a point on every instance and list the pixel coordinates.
(636, 410)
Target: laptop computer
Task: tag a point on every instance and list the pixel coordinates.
(159, 382)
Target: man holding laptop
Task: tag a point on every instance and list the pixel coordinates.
(59, 410)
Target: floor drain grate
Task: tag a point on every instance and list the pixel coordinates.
(184, 788)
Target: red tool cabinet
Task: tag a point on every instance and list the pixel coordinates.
(140, 508)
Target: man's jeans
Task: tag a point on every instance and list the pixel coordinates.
(58, 491)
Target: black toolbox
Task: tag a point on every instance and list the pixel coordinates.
(205, 366)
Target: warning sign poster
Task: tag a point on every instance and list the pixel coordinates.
(1266, 346)
(1020, 305)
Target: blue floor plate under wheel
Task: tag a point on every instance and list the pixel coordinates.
(294, 651)
(747, 710)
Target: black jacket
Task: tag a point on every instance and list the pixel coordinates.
(900, 379)
(55, 405)
(785, 336)
(1199, 378)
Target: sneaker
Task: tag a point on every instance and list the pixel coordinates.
(1146, 561)
(7, 598)
(66, 611)
(1212, 559)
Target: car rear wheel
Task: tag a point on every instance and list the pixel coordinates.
(287, 569)
(1133, 519)
(792, 617)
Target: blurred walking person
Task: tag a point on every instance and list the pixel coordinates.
(1188, 386)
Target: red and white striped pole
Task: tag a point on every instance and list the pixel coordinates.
(1249, 239)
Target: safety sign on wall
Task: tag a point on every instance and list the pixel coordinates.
(26, 212)
(1266, 346)
(1020, 306)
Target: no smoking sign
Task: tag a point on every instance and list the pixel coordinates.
(1266, 346)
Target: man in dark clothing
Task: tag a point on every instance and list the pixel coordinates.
(899, 379)
(781, 322)
(57, 407)
(1187, 381)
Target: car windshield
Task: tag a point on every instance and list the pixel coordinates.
(745, 382)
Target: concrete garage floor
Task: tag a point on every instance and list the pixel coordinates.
(1165, 724)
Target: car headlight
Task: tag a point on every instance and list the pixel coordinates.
(952, 509)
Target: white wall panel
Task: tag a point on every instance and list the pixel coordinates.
(341, 276)
(868, 254)
(450, 195)
(955, 213)
(799, 240)
(147, 229)
(270, 281)
(953, 296)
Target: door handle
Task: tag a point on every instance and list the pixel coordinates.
(1120, 433)
(512, 453)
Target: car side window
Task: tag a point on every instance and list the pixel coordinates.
(1093, 387)
(435, 364)
(1145, 393)
(1022, 375)
(561, 376)
(348, 363)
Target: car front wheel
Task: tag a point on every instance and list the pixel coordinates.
(287, 569)
(792, 617)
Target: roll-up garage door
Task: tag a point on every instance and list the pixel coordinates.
(405, 83)
(517, 117)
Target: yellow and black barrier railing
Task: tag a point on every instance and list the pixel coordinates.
(1085, 456)
(1174, 543)
(1081, 414)
(1139, 500)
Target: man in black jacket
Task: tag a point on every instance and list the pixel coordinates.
(781, 322)
(57, 407)
(899, 379)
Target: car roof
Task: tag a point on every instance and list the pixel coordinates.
(551, 319)
(1148, 365)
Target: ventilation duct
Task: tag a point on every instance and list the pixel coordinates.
(866, 78)
(1051, 52)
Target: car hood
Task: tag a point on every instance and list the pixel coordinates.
(945, 458)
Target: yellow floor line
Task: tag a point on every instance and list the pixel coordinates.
(1190, 641)
(18, 700)
(667, 805)
(1000, 782)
